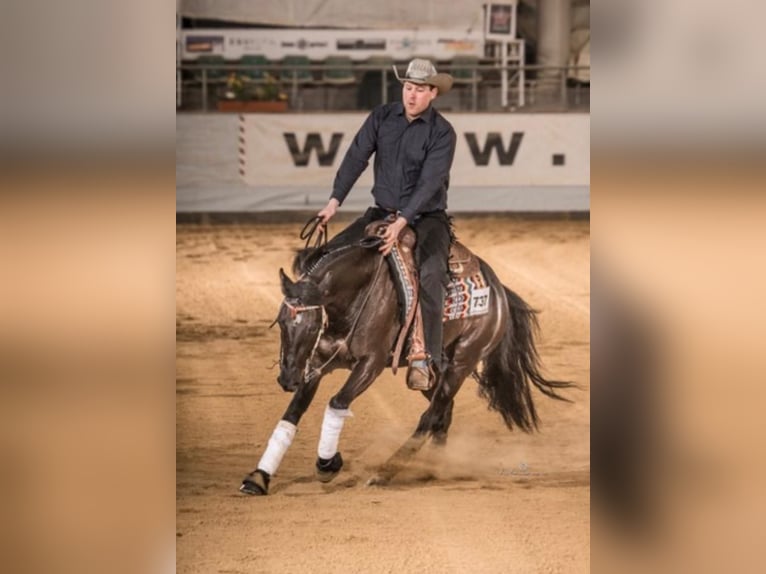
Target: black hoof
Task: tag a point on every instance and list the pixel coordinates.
(439, 439)
(256, 483)
(328, 468)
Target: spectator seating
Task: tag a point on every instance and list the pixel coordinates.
(295, 70)
(463, 70)
(209, 62)
(337, 74)
(254, 73)
(371, 86)
(293, 74)
(338, 71)
(214, 76)
(464, 73)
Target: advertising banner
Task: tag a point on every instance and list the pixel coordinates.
(319, 44)
(296, 150)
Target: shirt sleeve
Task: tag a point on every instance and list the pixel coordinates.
(435, 173)
(357, 157)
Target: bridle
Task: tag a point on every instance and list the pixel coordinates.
(295, 310)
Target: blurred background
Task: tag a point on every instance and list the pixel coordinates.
(339, 55)
(87, 140)
(677, 269)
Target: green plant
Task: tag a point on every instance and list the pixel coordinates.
(241, 88)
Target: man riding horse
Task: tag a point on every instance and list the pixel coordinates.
(414, 146)
(341, 312)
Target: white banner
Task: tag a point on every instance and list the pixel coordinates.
(296, 150)
(359, 45)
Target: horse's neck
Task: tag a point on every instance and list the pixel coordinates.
(346, 282)
(339, 268)
(313, 263)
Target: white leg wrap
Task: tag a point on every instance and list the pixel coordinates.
(331, 427)
(280, 441)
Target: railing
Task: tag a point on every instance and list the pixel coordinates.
(532, 88)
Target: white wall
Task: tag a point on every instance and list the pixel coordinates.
(231, 162)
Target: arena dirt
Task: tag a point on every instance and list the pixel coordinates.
(491, 501)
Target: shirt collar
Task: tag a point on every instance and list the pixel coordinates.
(426, 116)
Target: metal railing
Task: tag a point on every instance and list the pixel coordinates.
(532, 87)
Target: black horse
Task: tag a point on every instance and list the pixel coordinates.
(344, 312)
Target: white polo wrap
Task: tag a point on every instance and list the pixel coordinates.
(280, 441)
(331, 427)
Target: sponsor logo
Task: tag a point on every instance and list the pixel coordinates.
(303, 44)
(361, 44)
(204, 44)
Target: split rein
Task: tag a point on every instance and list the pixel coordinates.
(315, 226)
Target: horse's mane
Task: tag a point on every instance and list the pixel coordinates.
(313, 260)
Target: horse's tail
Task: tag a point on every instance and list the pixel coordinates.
(513, 365)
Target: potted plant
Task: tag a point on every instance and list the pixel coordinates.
(244, 95)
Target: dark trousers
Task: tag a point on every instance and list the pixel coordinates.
(434, 236)
(432, 255)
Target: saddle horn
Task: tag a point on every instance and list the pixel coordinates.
(371, 242)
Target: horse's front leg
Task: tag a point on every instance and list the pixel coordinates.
(257, 482)
(329, 460)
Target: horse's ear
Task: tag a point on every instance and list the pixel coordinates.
(287, 283)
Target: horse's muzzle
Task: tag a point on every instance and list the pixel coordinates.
(288, 384)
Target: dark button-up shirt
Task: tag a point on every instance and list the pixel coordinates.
(412, 160)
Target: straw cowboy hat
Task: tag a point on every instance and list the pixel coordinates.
(420, 71)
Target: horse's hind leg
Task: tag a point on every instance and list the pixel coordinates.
(437, 418)
(435, 421)
(439, 433)
(398, 460)
(440, 429)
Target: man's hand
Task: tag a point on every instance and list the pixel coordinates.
(392, 234)
(328, 211)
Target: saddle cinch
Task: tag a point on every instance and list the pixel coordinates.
(467, 293)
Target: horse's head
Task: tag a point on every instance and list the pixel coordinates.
(301, 321)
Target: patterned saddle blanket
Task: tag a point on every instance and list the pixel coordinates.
(467, 293)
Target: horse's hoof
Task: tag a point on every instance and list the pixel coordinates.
(256, 483)
(439, 440)
(328, 468)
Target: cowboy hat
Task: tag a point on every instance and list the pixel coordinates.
(420, 71)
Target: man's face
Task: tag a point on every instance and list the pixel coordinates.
(417, 98)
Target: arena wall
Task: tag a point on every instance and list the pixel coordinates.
(275, 162)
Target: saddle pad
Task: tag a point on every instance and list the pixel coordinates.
(466, 297)
(462, 262)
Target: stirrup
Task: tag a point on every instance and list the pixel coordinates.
(420, 378)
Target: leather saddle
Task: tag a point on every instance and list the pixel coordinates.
(462, 263)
